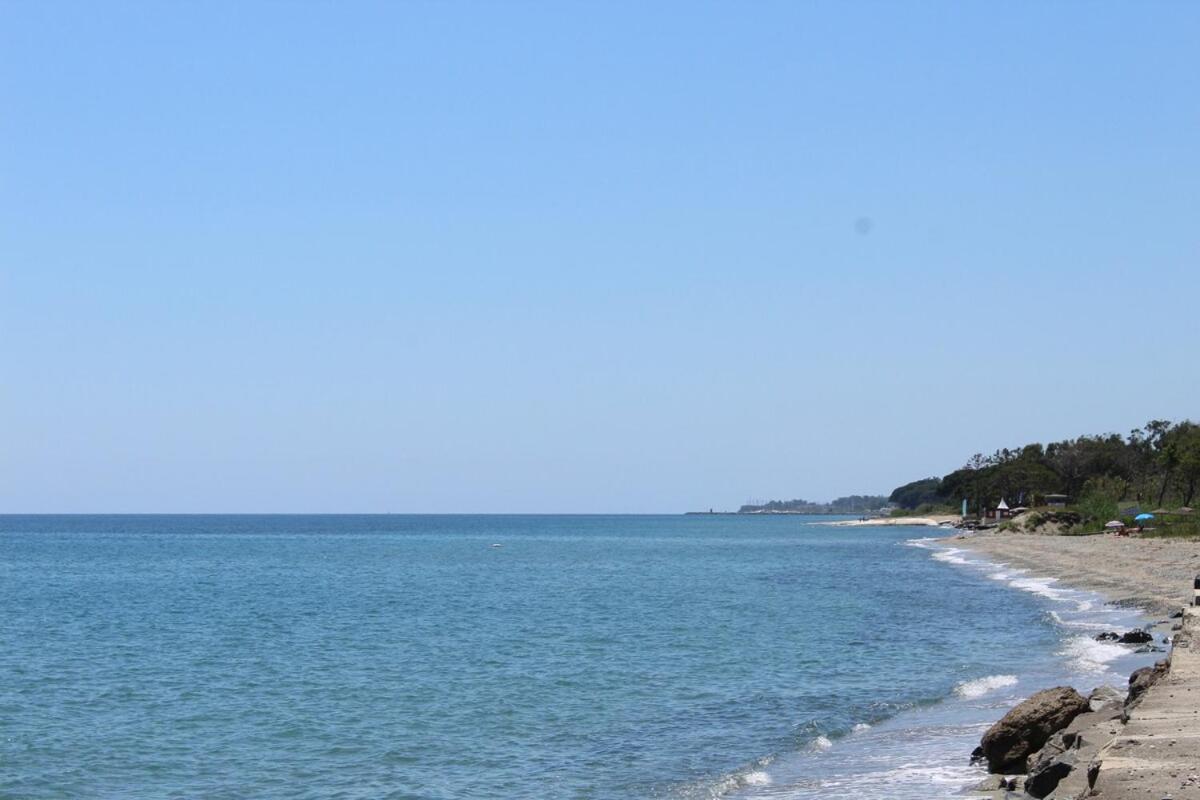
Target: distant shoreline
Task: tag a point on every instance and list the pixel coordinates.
(772, 513)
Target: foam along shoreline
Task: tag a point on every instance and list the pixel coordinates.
(1151, 574)
(1143, 745)
(1081, 612)
(932, 521)
(1125, 745)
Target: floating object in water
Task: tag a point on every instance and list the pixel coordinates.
(497, 544)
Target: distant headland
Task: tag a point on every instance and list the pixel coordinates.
(853, 504)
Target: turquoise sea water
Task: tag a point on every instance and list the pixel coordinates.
(610, 658)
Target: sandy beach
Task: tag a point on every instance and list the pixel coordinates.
(934, 521)
(1154, 574)
(1153, 749)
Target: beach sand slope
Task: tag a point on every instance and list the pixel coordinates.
(1154, 574)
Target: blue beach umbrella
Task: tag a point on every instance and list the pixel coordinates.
(1143, 517)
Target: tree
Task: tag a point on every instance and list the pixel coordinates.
(1188, 459)
(917, 493)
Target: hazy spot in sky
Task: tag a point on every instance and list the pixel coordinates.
(863, 225)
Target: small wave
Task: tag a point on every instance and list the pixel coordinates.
(753, 774)
(1078, 623)
(1089, 655)
(862, 726)
(1040, 586)
(925, 543)
(944, 776)
(756, 778)
(950, 557)
(969, 690)
(821, 743)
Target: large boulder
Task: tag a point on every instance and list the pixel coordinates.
(1025, 729)
(1136, 637)
(1142, 679)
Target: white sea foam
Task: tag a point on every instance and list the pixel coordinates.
(1088, 655)
(925, 543)
(950, 556)
(1093, 625)
(1043, 587)
(942, 776)
(756, 778)
(821, 743)
(970, 690)
(862, 726)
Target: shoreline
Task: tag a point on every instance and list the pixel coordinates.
(1143, 747)
(933, 521)
(1154, 575)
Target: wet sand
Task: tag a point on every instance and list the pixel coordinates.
(1154, 574)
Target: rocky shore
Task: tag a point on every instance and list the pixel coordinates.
(1139, 741)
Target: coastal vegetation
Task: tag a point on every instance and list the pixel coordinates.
(852, 504)
(1097, 477)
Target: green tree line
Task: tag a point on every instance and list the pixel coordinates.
(1155, 465)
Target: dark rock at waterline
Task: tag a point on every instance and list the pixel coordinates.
(1045, 775)
(1175, 614)
(977, 756)
(1026, 728)
(1142, 679)
(1130, 637)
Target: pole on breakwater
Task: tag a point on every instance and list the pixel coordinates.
(1196, 590)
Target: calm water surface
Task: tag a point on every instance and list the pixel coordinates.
(610, 658)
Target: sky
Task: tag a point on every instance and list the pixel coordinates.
(581, 257)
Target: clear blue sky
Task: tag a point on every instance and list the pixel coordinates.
(581, 256)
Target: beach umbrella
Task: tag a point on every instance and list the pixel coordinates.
(1143, 518)
(1114, 523)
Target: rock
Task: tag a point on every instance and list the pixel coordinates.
(1025, 729)
(1108, 636)
(1045, 775)
(1142, 679)
(1055, 746)
(1176, 614)
(992, 783)
(1136, 637)
(1105, 697)
(976, 756)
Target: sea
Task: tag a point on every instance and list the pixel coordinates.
(512, 657)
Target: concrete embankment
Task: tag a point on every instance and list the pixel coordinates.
(1140, 746)
(1156, 754)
